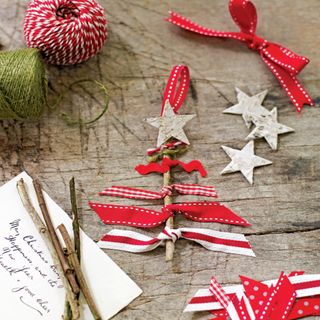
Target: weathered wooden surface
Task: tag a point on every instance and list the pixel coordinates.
(282, 205)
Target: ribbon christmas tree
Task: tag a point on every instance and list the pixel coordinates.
(172, 141)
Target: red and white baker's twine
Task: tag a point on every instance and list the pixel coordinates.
(67, 32)
(283, 63)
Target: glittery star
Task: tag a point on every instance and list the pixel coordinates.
(244, 160)
(170, 125)
(248, 106)
(269, 128)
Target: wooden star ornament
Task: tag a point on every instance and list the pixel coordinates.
(170, 125)
(269, 128)
(248, 106)
(244, 160)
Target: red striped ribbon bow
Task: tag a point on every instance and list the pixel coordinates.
(131, 241)
(146, 218)
(289, 297)
(135, 193)
(282, 62)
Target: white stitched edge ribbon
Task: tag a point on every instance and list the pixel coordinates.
(306, 285)
(135, 193)
(132, 241)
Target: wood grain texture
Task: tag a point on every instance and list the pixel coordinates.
(282, 205)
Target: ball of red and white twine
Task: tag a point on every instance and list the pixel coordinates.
(66, 31)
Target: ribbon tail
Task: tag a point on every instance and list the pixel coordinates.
(207, 212)
(131, 193)
(191, 26)
(289, 82)
(128, 215)
(151, 167)
(194, 165)
(125, 240)
(219, 241)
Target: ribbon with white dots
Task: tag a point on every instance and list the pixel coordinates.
(283, 63)
(177, 87)
(289, 297)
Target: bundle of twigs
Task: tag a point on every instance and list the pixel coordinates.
(67, 258)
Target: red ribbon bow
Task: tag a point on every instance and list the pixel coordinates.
(146, 218)
(282, 62)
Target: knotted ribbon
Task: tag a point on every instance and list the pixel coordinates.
(131, 241)
(135, 193)
(282, 62)
(272, 300)
(146, 218)
(167, 163)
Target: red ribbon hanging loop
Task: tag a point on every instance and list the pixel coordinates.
(173, 92)
(282, 62)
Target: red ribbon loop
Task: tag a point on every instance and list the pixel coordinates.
(282, 62)
(174, 93)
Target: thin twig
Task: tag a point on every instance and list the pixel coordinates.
(46, 238)
(80, 276)
(75, 218)
(54, 238)
(167, 180)
(76, 236)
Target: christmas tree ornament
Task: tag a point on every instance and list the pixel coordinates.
(172, 141)
(268, 127)
(66, 32)
(248, 106)
(282, 62)
(290, 297)
(244, 160)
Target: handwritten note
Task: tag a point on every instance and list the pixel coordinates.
(30, 284)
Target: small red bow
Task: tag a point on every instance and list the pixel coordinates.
(282, 62)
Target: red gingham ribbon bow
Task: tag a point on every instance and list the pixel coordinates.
(135, 193)
(282, 62)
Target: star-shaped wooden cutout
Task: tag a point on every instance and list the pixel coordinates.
(249, 106)
(244, 160)
(269, 128)
(170, 125)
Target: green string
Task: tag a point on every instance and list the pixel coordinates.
(24, 87)
(70, 120)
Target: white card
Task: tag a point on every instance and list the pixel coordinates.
(30, 287)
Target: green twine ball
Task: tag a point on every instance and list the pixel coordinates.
(23, 84)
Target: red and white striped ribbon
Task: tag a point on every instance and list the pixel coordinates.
(304, 285)
(131, 241)
(135, 193)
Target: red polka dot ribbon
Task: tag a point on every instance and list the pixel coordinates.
(282, 62)
(177, 87)
(289, 297)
